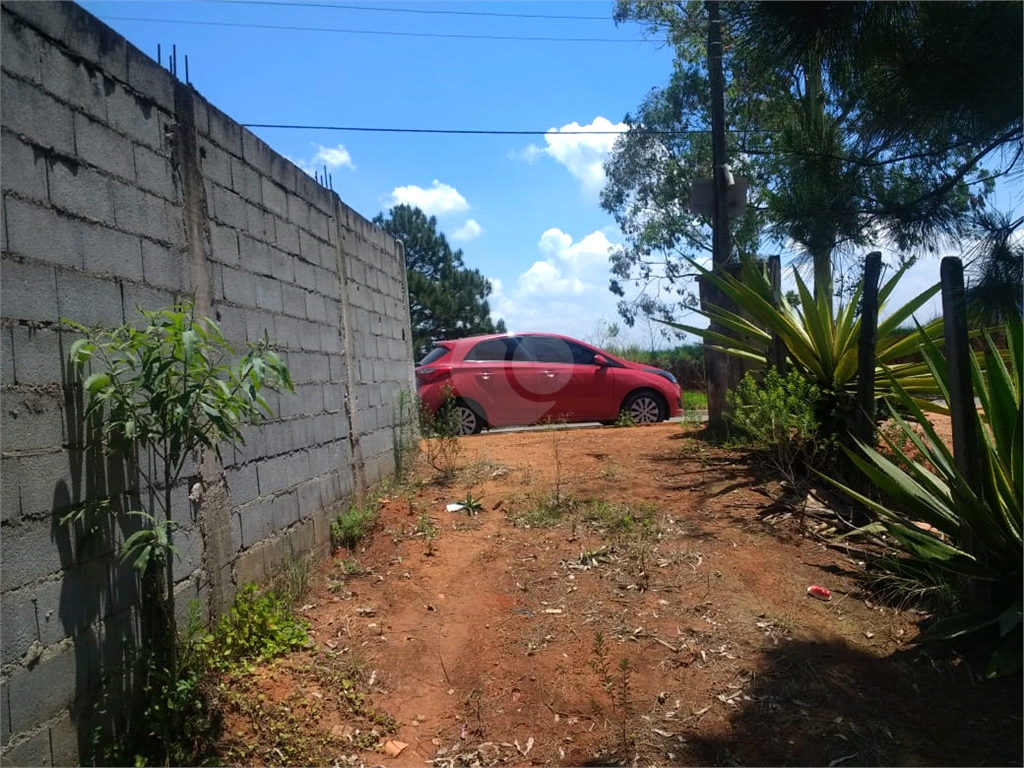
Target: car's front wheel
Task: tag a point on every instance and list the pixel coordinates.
(645, 407)
(470, 420)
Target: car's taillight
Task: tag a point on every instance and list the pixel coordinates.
(428, 374)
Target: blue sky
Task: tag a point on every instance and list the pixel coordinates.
(524, 209)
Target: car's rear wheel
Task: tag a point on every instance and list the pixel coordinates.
(645, 407)
(470, 420)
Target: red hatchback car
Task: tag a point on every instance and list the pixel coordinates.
(516, 379)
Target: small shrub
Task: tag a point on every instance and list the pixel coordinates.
(349, 528)
(440, 429)
(545, 511)
(624, 420)
(472, 505)
(777, 419)
(258, 627)
(292, 580)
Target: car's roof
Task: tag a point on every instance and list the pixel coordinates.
(509, 335)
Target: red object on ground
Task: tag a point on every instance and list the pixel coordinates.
(819, 592)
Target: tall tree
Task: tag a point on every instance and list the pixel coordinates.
(823, 176)
(940, 83)
(446, 298)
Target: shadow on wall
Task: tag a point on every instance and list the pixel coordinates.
(829, 703)
(99, 594)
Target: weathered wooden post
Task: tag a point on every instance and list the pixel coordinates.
(864, 423)
(962, 410)
(777, 350)
(724, 371)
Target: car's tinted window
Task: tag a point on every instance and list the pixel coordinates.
(581, 355)
(494, 349)
(547, 349)
(435, 354)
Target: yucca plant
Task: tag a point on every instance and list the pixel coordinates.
(970, 532)
(821, 341)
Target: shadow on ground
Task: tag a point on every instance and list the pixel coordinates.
(827, 703)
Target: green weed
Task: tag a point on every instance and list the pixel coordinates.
(258, 627)
(349, 528)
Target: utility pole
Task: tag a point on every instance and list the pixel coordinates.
(723, 371)
(720, 222)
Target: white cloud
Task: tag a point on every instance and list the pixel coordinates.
(566, 291)
(468, 231)
(332, 157)
(439, 199)
(584, 155)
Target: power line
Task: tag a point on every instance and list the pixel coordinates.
(482, 132)
(450, 35)
(413, 10)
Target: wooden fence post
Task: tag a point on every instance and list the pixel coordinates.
(962, 410)
(865, 414)
(777, 350)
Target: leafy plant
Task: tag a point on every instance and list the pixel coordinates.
(624, 420)
(440, 428)
(545, 511)
(258, 627)
(822, 341)
(778, 419)
(471, 504)
(349, 528)
(170, 387)
(970, 531)
(425, 527)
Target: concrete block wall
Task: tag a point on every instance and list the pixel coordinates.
(122, 188)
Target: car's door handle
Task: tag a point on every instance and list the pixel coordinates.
(485, 375)
(549, 374)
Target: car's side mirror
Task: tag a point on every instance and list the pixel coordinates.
(601, 361)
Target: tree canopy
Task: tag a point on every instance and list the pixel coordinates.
(447, 300)
(857, 124)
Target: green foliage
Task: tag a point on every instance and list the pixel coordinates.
(777, 418)
(624, 420)
(544, 511)
(471, 504)
(694, 401)
(820, 134)
(822, 342)
(173, 388)
(152, 545)
(447, 300)
(943, 520)
(291, 581)
(170, 386)
(349, 528)
(258, 627)
(440, 429)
